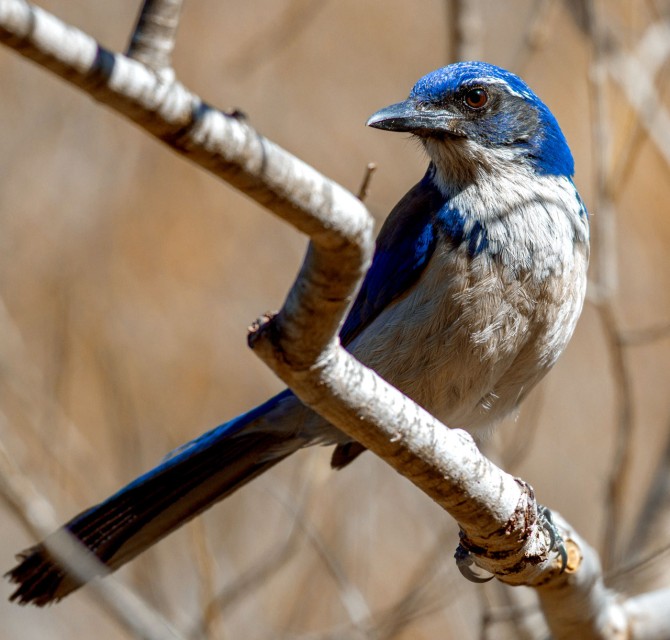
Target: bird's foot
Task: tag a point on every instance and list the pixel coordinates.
(556, 543)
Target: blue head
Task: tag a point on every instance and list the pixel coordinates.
(473, 114)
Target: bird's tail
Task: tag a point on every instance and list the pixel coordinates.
(189, 481)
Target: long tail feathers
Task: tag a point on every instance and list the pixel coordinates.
(196, 476)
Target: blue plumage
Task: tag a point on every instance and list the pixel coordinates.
(404, 247)
(475, 288)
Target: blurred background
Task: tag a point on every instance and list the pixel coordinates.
(128, 278)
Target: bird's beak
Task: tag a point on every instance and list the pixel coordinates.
(408, 116)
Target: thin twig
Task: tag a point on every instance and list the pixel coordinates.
(211, 620)
(525, 618)
(605, 240)
(263, 569)
(422, 596)
(268, 565)
(365, 184)
(498, 615)
(638, 564)
(25, 381)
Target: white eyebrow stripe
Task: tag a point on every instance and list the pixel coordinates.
(514, 92)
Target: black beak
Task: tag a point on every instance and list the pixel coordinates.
(408, 116)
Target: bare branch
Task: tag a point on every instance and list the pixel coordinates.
(270, 563)
(651, 53)
(521, 616)
(24, 381)
(211, 620)
(648, 548)
(350, 595)
(620, 468)
(422, 596)
(154, 36)
(365, 184)
(640, 564)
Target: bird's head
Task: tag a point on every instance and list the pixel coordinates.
(474, 117)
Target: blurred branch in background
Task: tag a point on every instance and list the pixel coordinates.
(609, 57)
(38, 517)
(217, 603)
(263, 46)
(648, 548)
(465, 30)
(536, 33)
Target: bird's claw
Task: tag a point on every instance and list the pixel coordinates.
(465, 563)
(546, 521)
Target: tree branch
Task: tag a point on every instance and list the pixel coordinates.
(155, 34)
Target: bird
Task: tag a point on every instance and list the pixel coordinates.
(476, 285)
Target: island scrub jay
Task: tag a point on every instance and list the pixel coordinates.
(475, 288)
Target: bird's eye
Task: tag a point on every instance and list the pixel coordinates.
(476, 98)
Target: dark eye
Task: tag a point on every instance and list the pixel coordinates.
(476, 98)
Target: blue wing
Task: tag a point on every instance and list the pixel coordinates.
(404, 246)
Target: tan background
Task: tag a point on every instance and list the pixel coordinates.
(128, 278)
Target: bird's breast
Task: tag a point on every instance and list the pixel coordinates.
(476, 333)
